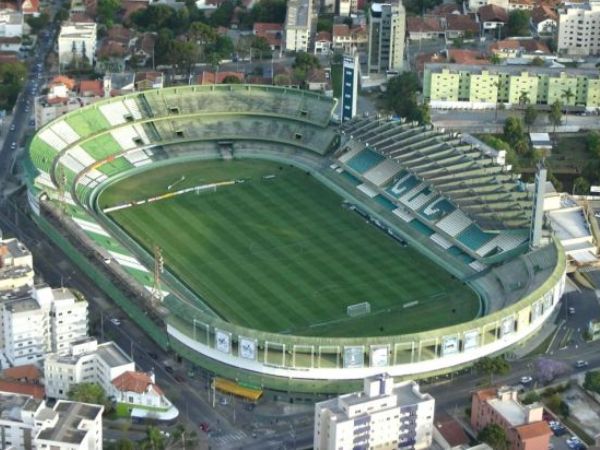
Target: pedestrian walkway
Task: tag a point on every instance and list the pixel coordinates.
(547, 329)
(228, 440)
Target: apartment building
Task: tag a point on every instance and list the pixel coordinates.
(384, 416)
(86, 362)
(41, 321)
(16, 265)
(77, 43)
(28, 423)
(297, 25)
(523, 424)
(387, 27)
(579, 28)
(483, 86)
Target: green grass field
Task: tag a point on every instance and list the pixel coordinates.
(284, 255)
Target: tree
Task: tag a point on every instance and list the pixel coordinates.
(87, 393)
(221, 17)
(592, 381)
(530, 116)
(231, 79)
(495, 59)
(490, 366)
(567, 94)
(537, 61)
(547, 369)
(555, 114)
(401, 97)
(495, 436)
(303, 64)
(530, 397)
(12, 78)
(325, 23)
(107, 10)
(154, 439)
(581, 186)
(518, 23)
(593, 143)
(513, 130)
(524, 98)
(37, 23)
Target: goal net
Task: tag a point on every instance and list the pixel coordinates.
(358, 309)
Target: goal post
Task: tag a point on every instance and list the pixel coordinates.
(358, 309)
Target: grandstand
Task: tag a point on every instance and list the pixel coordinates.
(433, 191)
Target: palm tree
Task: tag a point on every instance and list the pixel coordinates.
(498, 85)
(567, 94)
(524, 98)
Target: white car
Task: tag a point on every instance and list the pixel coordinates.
(115, 321)
(526, 380)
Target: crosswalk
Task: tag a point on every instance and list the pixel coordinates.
(228, 439)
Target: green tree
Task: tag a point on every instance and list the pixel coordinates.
(495, 436)
(513, 130)
(592, 142)
(492, 366)
(530, 116)
(12, 79)
(555, 114)
(272, 11)
(38, 23)
(581, 186)
(531, 397)
(87, 393)
(303, 64)
(518, 23)
(107, 11)
(221, 17)
(537, 61)
(325, 23)
(524, 98)
(230, 79)
(495, 59)
(400, 97)
(567, 94)
(592, 381)
(154, 439)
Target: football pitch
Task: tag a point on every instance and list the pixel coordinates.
(279, 252)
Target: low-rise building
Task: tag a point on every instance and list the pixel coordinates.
(383, 415)
(474, 5)
(524, 5)
(77, 43)
(544, 20)
(349, 39)
(425, 27)
(519, 48)
(471, 86)
(270, 32)
(460, 26)
(322, 43)
(492, 17)
(523, 424)
(86, 362)
(11, 30)
(28, 423)
(298, 25)
(139, 393)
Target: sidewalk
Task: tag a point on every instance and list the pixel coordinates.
(549, 327)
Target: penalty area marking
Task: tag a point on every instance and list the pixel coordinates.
(197, 189)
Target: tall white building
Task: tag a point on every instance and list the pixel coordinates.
(42, 321)
(76, 41)
(27, 423)
(16, 265)
(579, 29)
(86, 362)
(387, 24)
(297, 25)
(383, 416)
(350, 68)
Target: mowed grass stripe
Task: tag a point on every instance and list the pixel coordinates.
(283, 254)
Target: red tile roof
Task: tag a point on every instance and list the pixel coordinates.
(465, 56)
(27, 372)
(120, 33)
(91, 87)
(212, 78)
(30, 7)
(61, 79)
(446, 8)
(486, 394)
(35, 390)
(450, 429)
(323, 36)
(493, 13)
(138, 382)
(271, 32)
(541, 13)
(533, 430)
(423, 24)
(461, 23)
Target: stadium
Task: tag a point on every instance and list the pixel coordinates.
(243, 228)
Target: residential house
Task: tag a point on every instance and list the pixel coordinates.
(139, 393)
(349, 39)
(30, 8)
(149, 80)
(523, 424)
(319, 80)
(23, 380)
(425, 27)
(270, 32)
(115, 84)
(461, 26)
(474, 5)
(11, 30)
(519, 48)
(524, 5)
(444, 9)
(544, 20)
(16, 265)
(448, 432)
(492, 17)
(322, 43)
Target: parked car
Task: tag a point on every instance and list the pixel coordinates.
(115, 321)
(526, 379)
(581, 363)
(571, 310)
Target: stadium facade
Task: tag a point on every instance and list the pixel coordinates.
(434, 190)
